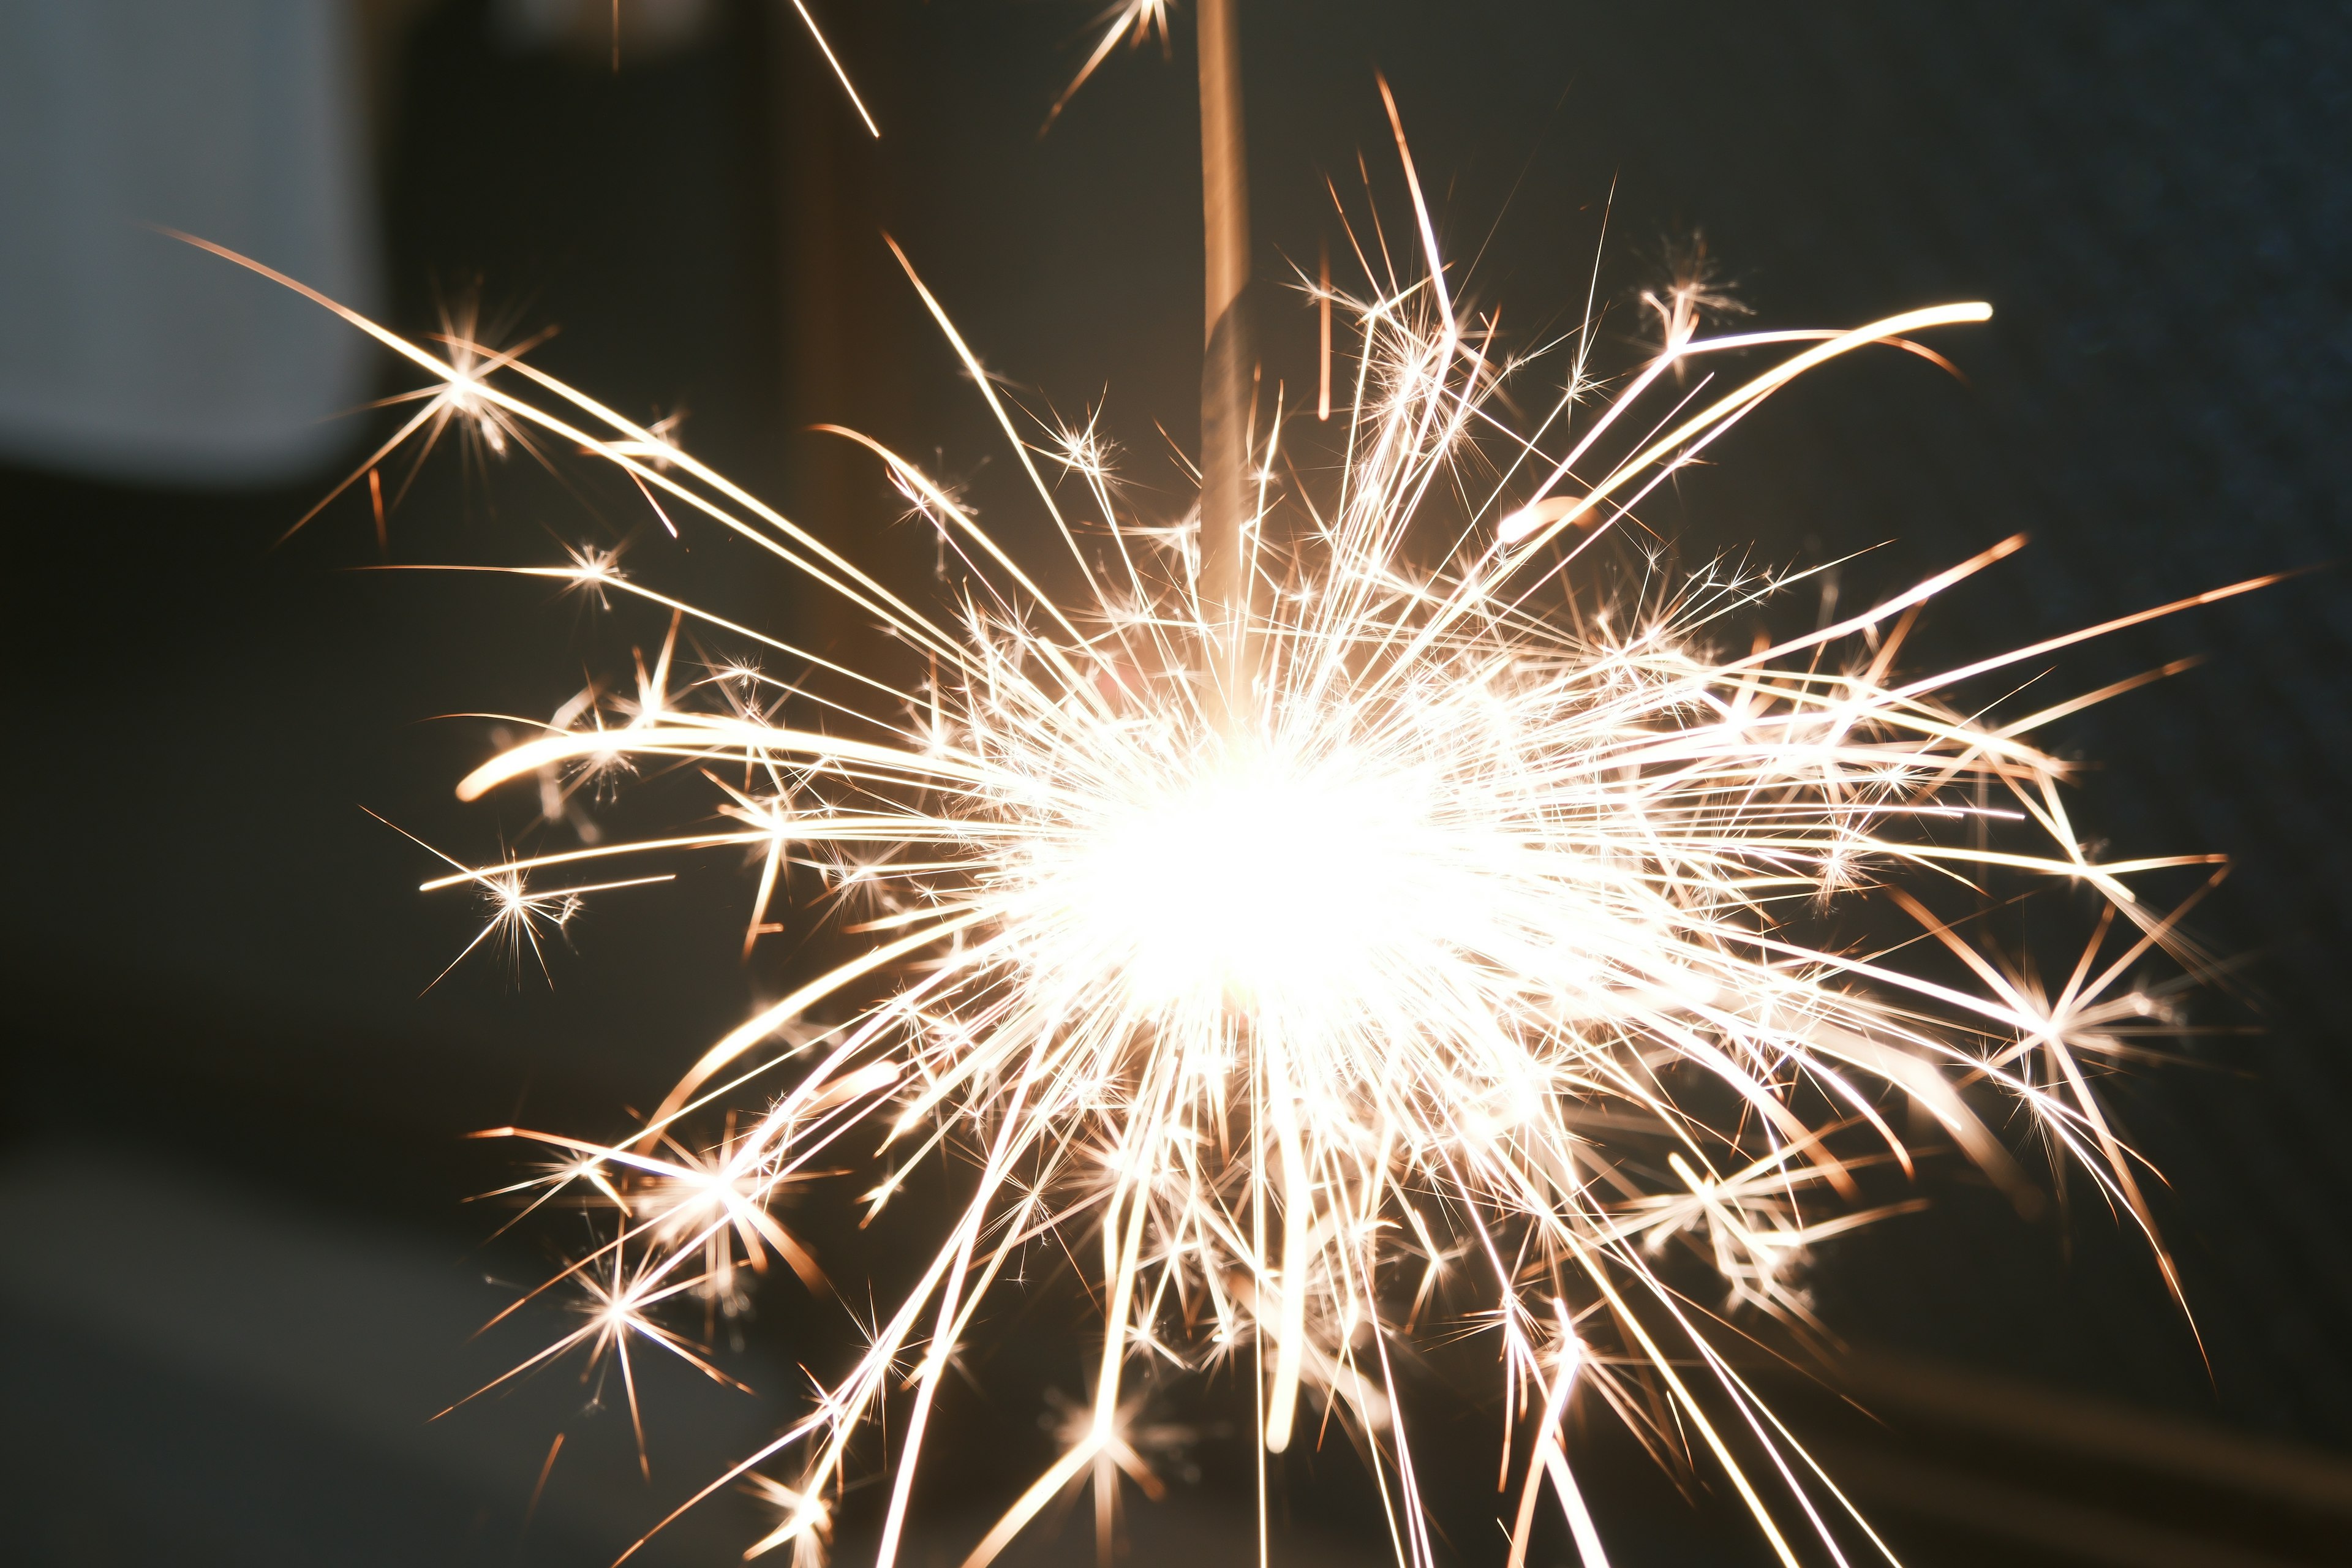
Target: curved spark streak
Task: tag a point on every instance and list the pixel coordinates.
(1474, 964)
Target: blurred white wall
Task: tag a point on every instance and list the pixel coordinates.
(126, 355)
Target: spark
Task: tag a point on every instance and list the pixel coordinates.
(804, 1522)
(1470, 960)
(1137, 21)
(840, 72)
(519, 913)
(616, 1305)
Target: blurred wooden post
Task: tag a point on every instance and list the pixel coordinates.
(1226, 363)
(846, 345)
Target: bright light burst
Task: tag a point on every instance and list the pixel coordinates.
(1448, 979)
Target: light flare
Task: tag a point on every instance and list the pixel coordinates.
(1471, 960)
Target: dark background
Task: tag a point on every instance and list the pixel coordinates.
(241, 1267)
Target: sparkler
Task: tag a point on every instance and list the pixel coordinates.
(1460, 952)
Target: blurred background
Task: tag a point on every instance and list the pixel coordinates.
(238, 1270)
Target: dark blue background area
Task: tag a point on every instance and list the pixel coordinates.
(215, 959)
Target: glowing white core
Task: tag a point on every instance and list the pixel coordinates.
(1279, 885)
